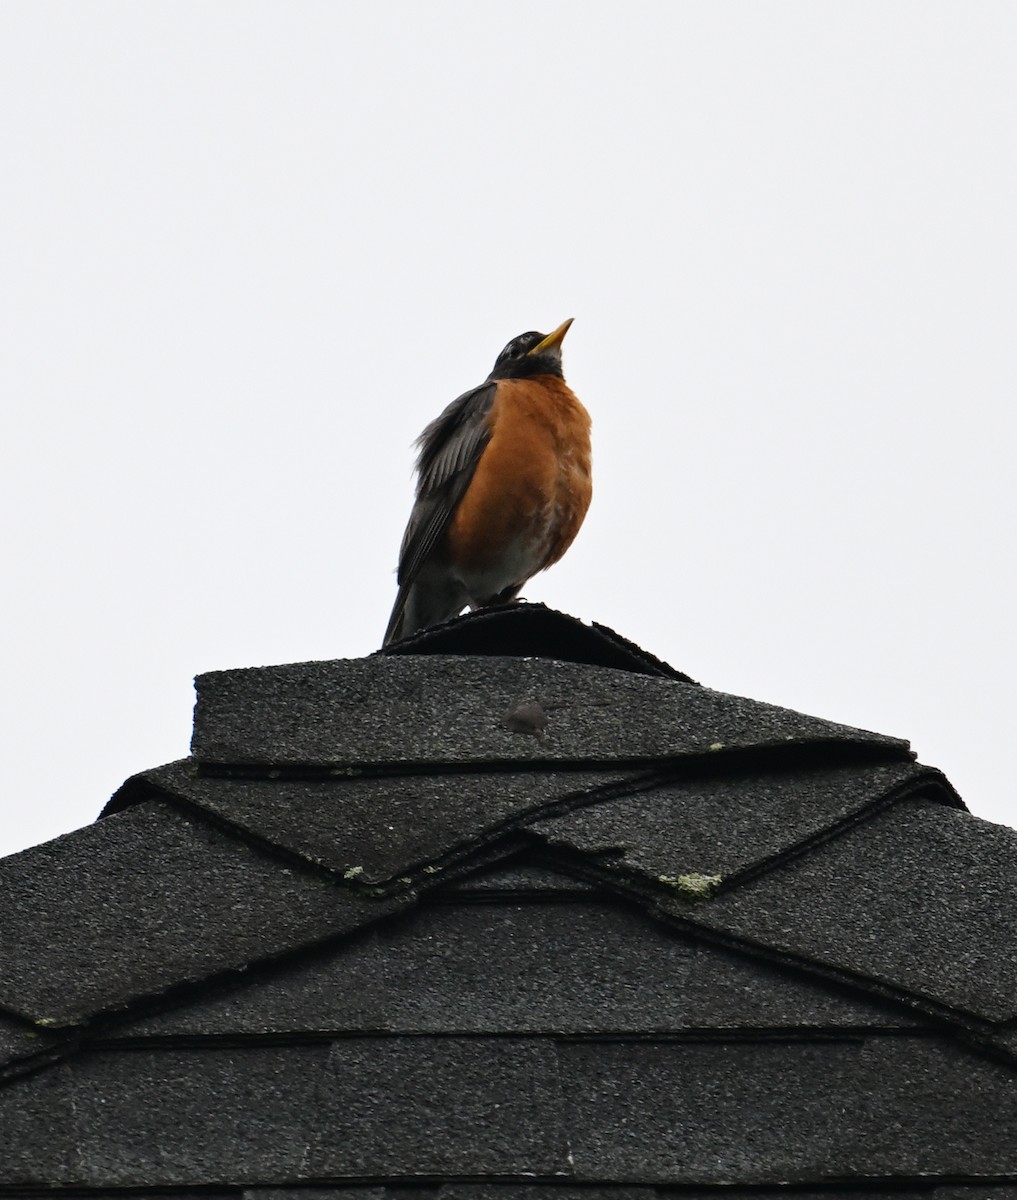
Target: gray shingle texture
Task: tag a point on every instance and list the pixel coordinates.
(590, 967)
(182, 1117)
(440, 1106)
(146, 900)
(36, 1129)
(724, 825)
(762, 1112)
(379, 829)
(376, 942)
(448, 710)
(20, 1040)
(922, 898)
(772, 1113)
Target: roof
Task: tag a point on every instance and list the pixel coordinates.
(513, 909)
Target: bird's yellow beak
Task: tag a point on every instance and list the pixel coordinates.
(552, 339)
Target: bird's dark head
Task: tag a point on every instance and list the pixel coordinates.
(531, 354)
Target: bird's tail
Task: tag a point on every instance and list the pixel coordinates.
(432, 597)
(394, 630)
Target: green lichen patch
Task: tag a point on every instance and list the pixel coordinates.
(693, 885)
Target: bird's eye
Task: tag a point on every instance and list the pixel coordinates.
(519, 347)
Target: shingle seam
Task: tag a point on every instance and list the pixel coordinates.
(835, 1187)
(679, 914)
(145, 785)
(415, 873)
(468, 887)
(930, 784)
(433, 1187)
(20, 1018)
(993, 1049)
(403, 886)
(409, 882)
(411, 878)
(466, 860)
(832, 1187)
(82, 1031)
(802, 1034)
(825, 750)
(975, 1030)
(336, 773)
(248, 837)
(138, 789)
(65, 1043)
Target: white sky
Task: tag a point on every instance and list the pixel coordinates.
(247, 250)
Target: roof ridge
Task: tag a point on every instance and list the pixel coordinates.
(526, 629)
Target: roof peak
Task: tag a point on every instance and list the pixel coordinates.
(525, 630)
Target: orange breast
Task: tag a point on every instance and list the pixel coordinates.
(532, 486)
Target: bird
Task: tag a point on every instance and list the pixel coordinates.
(503, 485)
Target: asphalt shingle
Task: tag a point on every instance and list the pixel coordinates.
(722, 826)
(36, 1116)
(770, 1113)
(640, 1112)
(440, 1106)
(186, 1117)
(172, 1117)
(921, 898)
(439, 709)
(21, 1041)
(515, 1032)
(369, 829)
(535, 631)
(147, 900)
(574, 968)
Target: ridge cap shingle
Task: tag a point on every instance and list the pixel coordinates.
(448, 711)
(523, 629)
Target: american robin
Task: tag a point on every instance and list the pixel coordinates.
(503, 486)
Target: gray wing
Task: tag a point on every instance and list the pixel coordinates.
(449, 450)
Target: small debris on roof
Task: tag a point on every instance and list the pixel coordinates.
(527, 717)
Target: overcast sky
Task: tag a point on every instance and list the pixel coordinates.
(247, 250)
